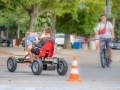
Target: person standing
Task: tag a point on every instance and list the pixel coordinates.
(106, 31)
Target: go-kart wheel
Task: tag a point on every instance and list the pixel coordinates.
(62, 67)
(11, 64)
(37, 67)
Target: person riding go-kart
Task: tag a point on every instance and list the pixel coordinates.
(43, 50)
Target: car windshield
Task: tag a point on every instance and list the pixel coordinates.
(59, 36)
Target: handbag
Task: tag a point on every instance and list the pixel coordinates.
(35, 50)
(103, 30)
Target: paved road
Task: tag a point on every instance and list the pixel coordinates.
(90, 72)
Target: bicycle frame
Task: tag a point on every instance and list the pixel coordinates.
(105, 47)
(104, 57)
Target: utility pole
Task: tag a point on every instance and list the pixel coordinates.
(107, 8)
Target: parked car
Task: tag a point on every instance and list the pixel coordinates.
(116, 44)
(59, 39)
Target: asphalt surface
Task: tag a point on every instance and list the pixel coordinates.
(93, 76)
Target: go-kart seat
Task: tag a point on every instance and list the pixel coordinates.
(47, 50)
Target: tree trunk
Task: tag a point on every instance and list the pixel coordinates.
(18, 29)
(53, 20)
(67, 43)
(7, 32)
(33, 16)
(32, 23)
(34, 13)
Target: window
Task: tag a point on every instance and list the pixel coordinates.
(59, 36)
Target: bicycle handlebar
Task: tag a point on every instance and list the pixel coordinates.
(105, 39)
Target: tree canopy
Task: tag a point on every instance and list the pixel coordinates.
(66, 16)
(71, 18)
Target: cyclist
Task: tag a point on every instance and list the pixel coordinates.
(106, 31)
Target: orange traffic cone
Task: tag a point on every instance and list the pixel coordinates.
(74, 71)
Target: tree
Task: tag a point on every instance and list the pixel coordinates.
(6, 21)
(115, 5)
(115, 9)
(35, 8)
(73, 20)
(117, 25)
(43, 21)
(11, 16)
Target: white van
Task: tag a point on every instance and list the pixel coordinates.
(59, 39)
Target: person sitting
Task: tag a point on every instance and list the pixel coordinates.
(42, 42)
(43, 33)
(29, 42)
(3, 37)
(47, 37)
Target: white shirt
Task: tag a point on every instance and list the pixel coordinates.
(108, 29)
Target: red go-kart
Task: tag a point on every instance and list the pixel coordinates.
(43, 61)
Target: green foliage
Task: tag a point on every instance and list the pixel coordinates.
(115, 8)
(69, 16)
(71, 19)
(117, 25)
(43, 21)
(12, 15)
(68, 6)
(115, 5)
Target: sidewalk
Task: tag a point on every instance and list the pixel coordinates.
(19, 51)
(80, 53)
(6, 51)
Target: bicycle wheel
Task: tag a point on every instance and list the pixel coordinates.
(107, 58)
(102, 58)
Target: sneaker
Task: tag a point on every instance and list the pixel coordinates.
(110, 60)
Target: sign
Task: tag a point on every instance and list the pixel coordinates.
(82, 5)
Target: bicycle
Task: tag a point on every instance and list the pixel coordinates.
(104, 57)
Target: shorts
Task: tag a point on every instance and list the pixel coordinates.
(97, 40)
(109, 41)
(29, 46)
(35, 50)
